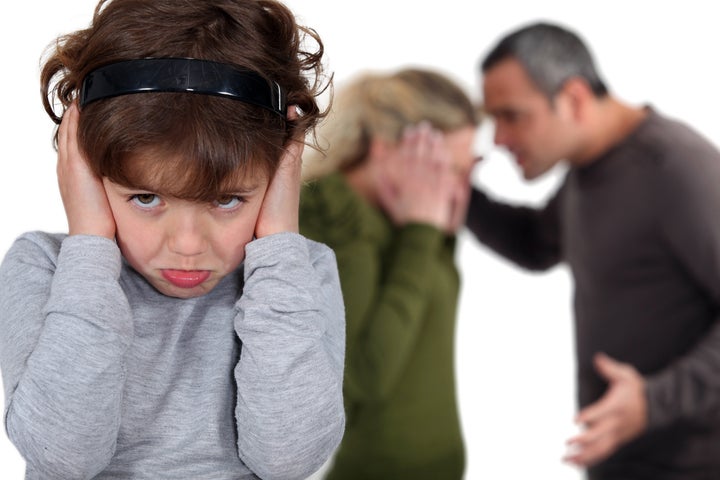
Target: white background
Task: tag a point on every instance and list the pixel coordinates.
(514, 351)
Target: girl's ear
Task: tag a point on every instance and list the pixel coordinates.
(293, 112)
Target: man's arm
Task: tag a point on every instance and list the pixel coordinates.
(687, 390)
(529, 237)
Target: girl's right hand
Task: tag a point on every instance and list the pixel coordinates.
(83, 194)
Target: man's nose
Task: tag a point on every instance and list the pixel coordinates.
(501, 135)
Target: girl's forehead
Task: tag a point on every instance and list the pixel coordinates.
(187, 177)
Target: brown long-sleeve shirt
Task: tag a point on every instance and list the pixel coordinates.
(640, 230)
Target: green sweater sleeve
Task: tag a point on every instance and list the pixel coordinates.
(385, 299)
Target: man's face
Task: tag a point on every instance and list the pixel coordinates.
(535, 131)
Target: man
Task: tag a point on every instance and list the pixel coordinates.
(637, 218)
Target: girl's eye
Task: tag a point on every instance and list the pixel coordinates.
(146, 200)
(229, 202)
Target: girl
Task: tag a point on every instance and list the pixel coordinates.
(183, 328)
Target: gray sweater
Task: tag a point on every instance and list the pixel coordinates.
(107, 378)
(640, 231)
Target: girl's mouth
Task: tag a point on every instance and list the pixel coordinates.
(185, 278)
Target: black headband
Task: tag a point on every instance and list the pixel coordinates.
(182, 75)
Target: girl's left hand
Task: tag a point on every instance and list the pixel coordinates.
(280, 207)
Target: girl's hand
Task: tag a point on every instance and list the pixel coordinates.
(83, 195)
(417, 182)
(280, 208)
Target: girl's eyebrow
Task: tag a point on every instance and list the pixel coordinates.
(234, 189)
(242, 188)
(140, 188)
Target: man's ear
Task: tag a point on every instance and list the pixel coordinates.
(578, 95)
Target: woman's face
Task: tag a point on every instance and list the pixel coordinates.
(460, 144)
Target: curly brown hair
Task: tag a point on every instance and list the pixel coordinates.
(195, 143)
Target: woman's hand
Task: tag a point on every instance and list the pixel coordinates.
(83, 195)
(459, 203)
(416, 182)
(280, 208)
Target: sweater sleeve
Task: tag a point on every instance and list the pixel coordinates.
(688, 389)
(385, 303)
(66, 326)
(290, 321)
(528, 237)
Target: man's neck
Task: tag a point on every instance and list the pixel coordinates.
(612, 122)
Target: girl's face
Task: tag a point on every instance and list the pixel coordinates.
(184, 248)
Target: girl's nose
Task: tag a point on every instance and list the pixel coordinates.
(186, 236)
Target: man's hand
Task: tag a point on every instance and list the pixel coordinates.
(617, 418)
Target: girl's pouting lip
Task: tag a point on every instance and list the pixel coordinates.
(185, 278)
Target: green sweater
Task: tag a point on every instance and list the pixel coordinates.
(400, 287)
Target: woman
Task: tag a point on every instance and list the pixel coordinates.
(388, 198)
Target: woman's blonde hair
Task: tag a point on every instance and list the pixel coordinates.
(375, 105)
